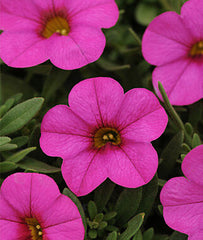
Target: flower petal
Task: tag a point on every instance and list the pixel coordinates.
(141, 117)
(63, 133)
(24, 192)
(83, 45)
(96, 100)
(183, 204)
(100, 13)
(182, 81)
(13, 231)
(22, 48)
(84, 172)
(196, 236)
(65, 225)
(166, 39)
(18, 11)
(192, 165)
(133, 164)
(192, 13)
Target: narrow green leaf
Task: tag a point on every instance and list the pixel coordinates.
(170, 154)
(178, 236)
(16, 157)
(73, 197)
(7, 167)
(112, 236)
(8, 147)
(148, 234)
(127, 205)
(189, 128)
(4, 140)
(99, 217)
(149, 193)
(102, 225)
(20, 141)
(92, 234)
(108, 216)
(19, 115)
(133, 226)
(38, 166)
(7, 105)
(92, 209)
(103, 194)
(196, 141)
(138, 236)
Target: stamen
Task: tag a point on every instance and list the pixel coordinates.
(56, 24)
(40, 233)
(35, 228)
(106, 135)
(197, 49)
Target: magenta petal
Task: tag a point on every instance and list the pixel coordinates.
(133, 164)
(85, 172)
(192, 165)
(13, 231)
(181, 80)
(83, 45)
(166, 39)
(141, 117)
(96, 100)
(63, 133)
(196, 236)
(56, 222)
(22, 50)
(100, 13)
(183, 204)
(13, 14)
(193, 21)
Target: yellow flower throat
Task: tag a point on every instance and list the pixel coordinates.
(35, 228)
(197, 49)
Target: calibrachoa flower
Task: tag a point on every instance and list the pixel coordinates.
(104, 133)
(174, 43)
(31, 207)
(182, 198)
(68, 32)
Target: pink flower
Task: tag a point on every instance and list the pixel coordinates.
(174, 43)
(33, 208)
(66, 32)
(104, 134)
(182, 198)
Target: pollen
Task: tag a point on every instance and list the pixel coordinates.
(35, 228)
(106, 135)
(57, 25)
(197, 49)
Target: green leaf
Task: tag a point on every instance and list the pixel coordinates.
(7, 167)
(102, 194)
(148, 234)
(92, 234)
(4, 140)
(170, 154)
(102, 225)
(145, 13)
(138, 236)
(99, 217)
(16, 157)
(37, 166)
(196, 141)
(108, 216)
(127, 205)
(92, 209)
(112, 236)
(73, 197)
(8, 147)
(20, 141)
(178, 236)
(7, 105)
(133, 226)
(19, 115)
(149, 193)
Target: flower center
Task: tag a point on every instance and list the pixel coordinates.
(106, 135)
(56, 24)
(197, 49)
(35, 228)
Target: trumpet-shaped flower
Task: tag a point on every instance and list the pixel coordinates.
(31, 207)
(174, 43)
(182, 198)
(66, 32)
(104, 133)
